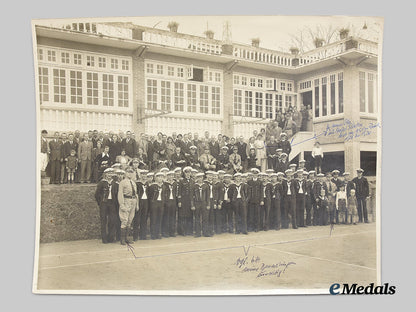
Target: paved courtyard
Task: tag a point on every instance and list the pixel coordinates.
(307, 258)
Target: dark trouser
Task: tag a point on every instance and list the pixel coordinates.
(316, 216)
(64, 175)
(240, 208)
(55, 171)
(140, 220)
(188, 219)
(169, 218)
(265, 215)
(228, 215)
(270, 163)
(275, 214)
(308, 208)
(289, 208)
(324, 215)
(253, 217)
(362, 209)
(117, 219)
(199, 208)
(207, 219)
(300, 210)
(318, 163)
(106, 208)
(156, 212)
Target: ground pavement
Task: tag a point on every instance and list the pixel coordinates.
(307, 258)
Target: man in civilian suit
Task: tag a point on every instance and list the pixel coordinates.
(129, 145)
(55, 147)
(85, 158)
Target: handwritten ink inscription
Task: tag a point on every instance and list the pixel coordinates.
(349, 130)
(255, 264)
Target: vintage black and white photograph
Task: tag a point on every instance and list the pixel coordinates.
(207, 155)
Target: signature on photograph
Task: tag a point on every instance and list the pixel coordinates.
(347, 130)
(254, 264)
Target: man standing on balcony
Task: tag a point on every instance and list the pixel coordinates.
(362, 192)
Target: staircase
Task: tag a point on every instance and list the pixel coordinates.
(302, 141)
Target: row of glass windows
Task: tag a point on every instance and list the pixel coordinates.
(260, 104)
(267, 83)
(183, 97)
(78, 87)
(173, 71)
(329, 95)
(368, 92)
(80, 59)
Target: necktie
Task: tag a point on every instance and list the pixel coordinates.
(159, 197)
(133, 192)
(210, 191)
(226, 193)
(238, 191)
(300, 187)
(144, 192)
(288, 188)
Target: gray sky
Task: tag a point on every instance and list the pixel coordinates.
(274, 31)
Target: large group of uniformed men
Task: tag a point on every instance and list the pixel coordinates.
(185, 185)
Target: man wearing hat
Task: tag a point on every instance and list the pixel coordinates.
(185, 203)
(141, 216)
(156, 204)
(201, 206)
(282, 163)
(103, 196)
(308, 196)
(223, 160)
(349, 184)
(284, 144)
(277, 195)
(267, 188)
(331, 194)
(117, 177)
(177, 174)
(290, 189)
(300, 198)
(135, 166)
(293, 168)
(170, 194)
(318, 186)
(255, 200)
(225, 211)
(192, 158)
(213, 217)
(302, 163)
(362, 192)
(238, 192)
(336, 180)
(127, 199)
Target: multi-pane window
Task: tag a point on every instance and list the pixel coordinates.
(252, 82)
(269, 105)
(101, 62)
(340, 93)
(149, 68)
(92, 88)
(77, 59)
(279, 102)
(316, 84)
(114, 63)
(65, 57)
(151, 94)
(171, 71)
(123, 91)
(259, 104)
(371, 93)
(289, 87)
(191, 98)
(238, 102)
(40, 54)
(51, 56)
(76, 87)
(159, 69)
(362, 91)
(236, 79)
(179, 96)
(269, 84)
(288, 101)
(43, 84)
(210, 76)
(90, 60)
(165, 95)
(283, 86)
(324, 97)
(260, 83)
(180, 72)
(333, 93)
(248, 102)
(215, 100)
(217, 77)
(59, 88)
(108, 90)
(203, 99)
(125, 65)
(244, 80)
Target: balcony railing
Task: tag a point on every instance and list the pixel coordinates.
(262, 55)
